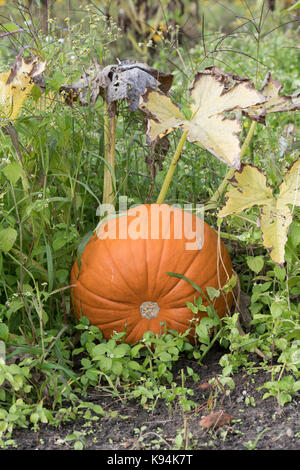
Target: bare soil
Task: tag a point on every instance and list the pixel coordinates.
(257, 423)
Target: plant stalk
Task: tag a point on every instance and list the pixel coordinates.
(172, 167)
(109, 155)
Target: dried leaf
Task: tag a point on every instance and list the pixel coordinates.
(126, 80)
(204, 386)
(250, 188)
(216, 419)
(214, 93)
(164, 79)
(275, 102)
(91, 82)
(16, 85)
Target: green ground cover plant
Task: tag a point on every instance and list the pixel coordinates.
(52, 180)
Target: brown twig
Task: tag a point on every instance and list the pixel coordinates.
(15, 64)
(9, 33)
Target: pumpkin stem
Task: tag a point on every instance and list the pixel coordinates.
(149, 310)
(171, 170)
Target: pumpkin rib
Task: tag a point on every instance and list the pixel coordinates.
(141, 327)
(113, 323)
(179, 280)
(112, 260)
(120, 321)
(159, 264)
(148, 260)
(109, 309)
(98, 295)
(133, 332)
(206, 283)
(191, 287)
(169, 317)
(99, 309)
(180, 325)
(146, 257)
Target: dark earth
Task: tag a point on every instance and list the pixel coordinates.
(256, 423)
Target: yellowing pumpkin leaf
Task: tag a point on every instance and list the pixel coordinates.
(275, 220)
(275, 102)
(16, 85)
(214, 93)
(290, 186)
(249, 188)
(170, 116)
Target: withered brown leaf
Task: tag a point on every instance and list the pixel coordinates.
(125, 80)
(216, 419)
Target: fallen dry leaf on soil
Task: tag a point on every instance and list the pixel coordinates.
(216, 419)
(204, 386)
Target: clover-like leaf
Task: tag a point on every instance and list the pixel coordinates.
(250, 188)
(126, 80)
(16, 85)
(275, 102)
(215, 94)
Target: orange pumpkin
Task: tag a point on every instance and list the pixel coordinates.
(123, 282)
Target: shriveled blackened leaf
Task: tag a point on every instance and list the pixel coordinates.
(129, 84)
(165, 79)
(87, 89)
(126, 80)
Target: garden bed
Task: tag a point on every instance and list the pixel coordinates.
(257, 423)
